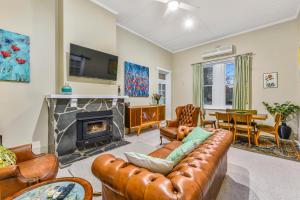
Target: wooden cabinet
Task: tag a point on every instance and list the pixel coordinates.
(138, 117)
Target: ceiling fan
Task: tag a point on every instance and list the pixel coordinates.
(175, 4)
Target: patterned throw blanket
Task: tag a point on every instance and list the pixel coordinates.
(7, 157)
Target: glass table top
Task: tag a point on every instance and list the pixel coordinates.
(44, 192)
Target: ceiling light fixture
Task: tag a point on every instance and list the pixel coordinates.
(173, 5)
(188, 23)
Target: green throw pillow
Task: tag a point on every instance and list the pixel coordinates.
(7, 157)
(197, 134)
(153, 164)
(177, 154)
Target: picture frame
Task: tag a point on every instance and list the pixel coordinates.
(14, 57)
(270, 80)
(136, 80)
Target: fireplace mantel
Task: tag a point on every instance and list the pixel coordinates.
(84, 96)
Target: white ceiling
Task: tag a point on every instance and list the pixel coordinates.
(214, 19)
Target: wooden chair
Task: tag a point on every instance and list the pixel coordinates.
(242, 126)
(268, 129)
(204, 122)
(223, 121)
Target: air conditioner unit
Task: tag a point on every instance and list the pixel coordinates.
(218, 52)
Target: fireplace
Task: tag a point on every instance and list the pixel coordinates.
(94, 127)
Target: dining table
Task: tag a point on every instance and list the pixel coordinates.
(261, 117)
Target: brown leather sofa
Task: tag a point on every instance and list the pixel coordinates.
(198, 176)
(185, 116)
(29, 170)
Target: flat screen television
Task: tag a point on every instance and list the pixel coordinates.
(85, 62)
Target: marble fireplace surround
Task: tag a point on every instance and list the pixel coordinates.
(62, 134)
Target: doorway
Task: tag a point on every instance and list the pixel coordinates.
(164, 89)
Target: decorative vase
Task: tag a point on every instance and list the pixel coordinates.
(284, 131)
(157, 101)
(66, 89)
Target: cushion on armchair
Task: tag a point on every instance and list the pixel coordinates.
(7, 157)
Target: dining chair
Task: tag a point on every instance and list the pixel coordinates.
(269, 129)
(223, 121)
(242, 126)
(204, 122)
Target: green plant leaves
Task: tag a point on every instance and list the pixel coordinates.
(287, 109)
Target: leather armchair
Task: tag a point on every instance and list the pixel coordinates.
(185, 116)
(29, 170)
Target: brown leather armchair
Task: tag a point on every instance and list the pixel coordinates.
(185, 116)
(29, 170)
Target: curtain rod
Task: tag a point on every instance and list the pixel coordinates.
(223, 58)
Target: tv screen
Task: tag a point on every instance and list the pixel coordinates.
(85, 62)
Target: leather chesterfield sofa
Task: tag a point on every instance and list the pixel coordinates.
(198, 176)
(185, 116)
(29, 170)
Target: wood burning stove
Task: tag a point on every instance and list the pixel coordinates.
(94, 127)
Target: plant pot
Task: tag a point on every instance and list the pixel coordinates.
(284, 131)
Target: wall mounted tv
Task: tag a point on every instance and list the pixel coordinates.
(85, 62)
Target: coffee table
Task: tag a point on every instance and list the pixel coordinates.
(81, 191)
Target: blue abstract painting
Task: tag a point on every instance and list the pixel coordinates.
(14, 57)
(136, 80)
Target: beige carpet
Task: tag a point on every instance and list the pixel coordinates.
(250, 176)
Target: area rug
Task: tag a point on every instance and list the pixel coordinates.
(288, 149)
(67, 160)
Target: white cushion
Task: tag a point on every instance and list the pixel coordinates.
(153, 164)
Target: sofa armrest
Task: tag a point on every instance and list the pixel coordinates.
(172, 123)
(183, 131)
(13, 171)
(24, 153)
(131, 182)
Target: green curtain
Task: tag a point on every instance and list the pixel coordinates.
(198, 82)
(242, 82)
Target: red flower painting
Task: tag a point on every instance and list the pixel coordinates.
(15, 48)
(20, 61)
(5, 54)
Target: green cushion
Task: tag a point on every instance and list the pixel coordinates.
(177, 154)
(7, 157)
(197, 134)
(153, 164)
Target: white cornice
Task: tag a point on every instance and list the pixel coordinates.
(105, 7)
(203, 43)
(237, 34)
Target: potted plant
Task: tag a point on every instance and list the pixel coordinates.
(287, 111)
(156, 97)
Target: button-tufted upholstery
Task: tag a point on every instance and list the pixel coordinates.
(197, 177)
(185, 116)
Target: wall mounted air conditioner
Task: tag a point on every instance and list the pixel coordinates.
(218, 52)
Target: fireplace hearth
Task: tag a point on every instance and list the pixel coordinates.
(94, 127)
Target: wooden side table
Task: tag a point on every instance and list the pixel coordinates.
(83, 189)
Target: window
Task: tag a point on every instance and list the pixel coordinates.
(218, 84)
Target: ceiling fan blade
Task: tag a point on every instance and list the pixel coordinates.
(187, 6)
(162, 1)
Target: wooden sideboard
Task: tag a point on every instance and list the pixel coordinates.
(138, 117)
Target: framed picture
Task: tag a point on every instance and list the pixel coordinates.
(271, 80)
(136, 80)
(14, 57)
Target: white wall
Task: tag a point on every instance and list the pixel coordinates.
(275, 50)
(23, 113)
(89, 25)
(137, 50)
